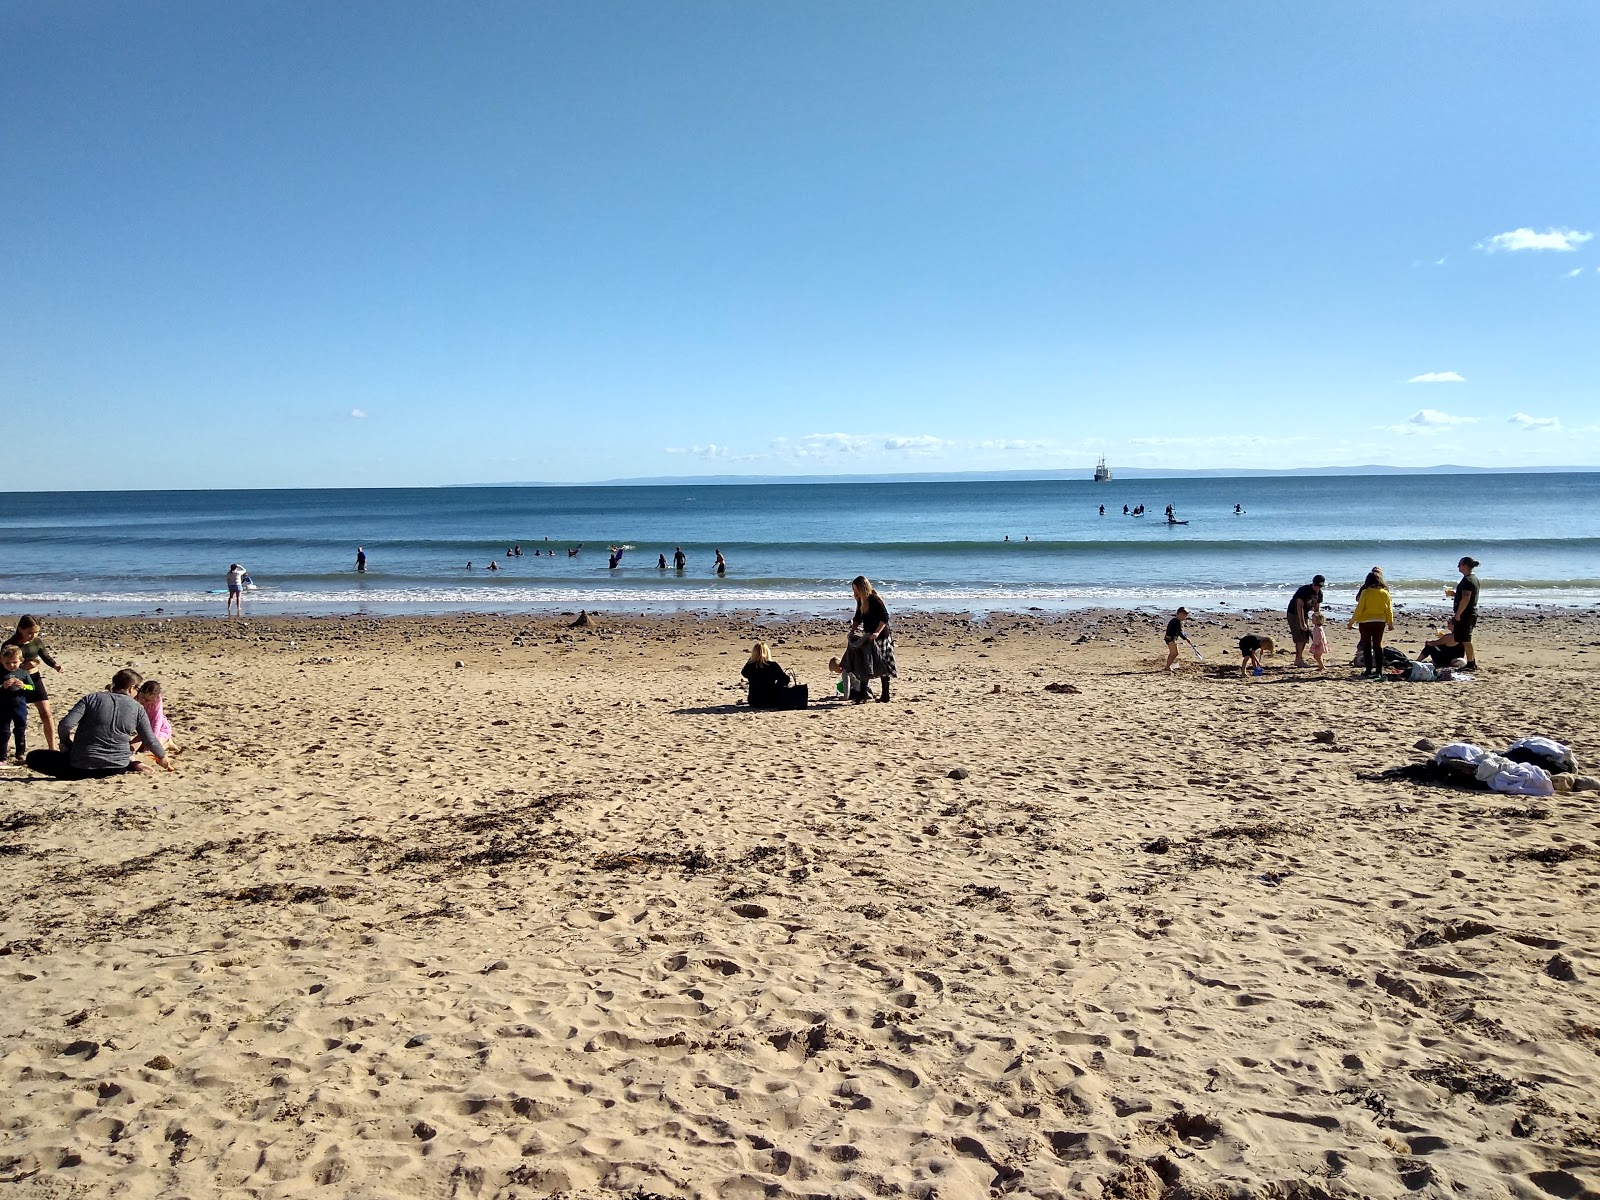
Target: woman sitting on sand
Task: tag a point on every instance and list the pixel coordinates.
(769, 683)
(1374, 613)
(871, 651)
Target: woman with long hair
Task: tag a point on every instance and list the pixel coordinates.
(1373, 614)
(871, 650)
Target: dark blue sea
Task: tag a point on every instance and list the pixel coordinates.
(793, 547)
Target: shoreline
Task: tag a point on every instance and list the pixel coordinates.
(1409, 604)
(569, 919)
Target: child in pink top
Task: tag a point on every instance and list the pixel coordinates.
(149, 695)
(1319, 641)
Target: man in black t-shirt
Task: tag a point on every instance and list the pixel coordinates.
(1463, 616)
(1307, 602)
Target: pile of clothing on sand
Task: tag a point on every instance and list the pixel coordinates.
(1435, 665)
(1530, 766)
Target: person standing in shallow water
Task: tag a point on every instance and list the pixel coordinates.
(870, 653)
(361, 560)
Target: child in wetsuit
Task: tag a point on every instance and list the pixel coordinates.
(1175, 633)
(16, 685)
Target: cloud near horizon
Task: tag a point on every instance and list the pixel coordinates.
(1564, 240)
(1543, 424)
(1437, 377)
(710, 451)
(1428, 421)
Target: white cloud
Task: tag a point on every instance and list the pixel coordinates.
(1428, 421)
(1011, 444)
(823, 445)
(1543, 424)
(1437, 377)
(358, 414)
(1237, 441)
(709, 450)
(1574, 273)
(1529, 239)
(924, 443)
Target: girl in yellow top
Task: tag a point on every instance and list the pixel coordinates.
(1374, 613)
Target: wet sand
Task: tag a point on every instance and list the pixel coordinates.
(569, 920)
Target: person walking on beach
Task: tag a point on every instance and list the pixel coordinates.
(1306, 603)
(870, 653)
(29, 638)
(1373, 614)
(1174, 635)
(1464, 616)
(97, 735)
(236, 578)
(361, 560)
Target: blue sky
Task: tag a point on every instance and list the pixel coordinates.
(296, 244)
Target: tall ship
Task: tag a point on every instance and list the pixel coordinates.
(1102, 473)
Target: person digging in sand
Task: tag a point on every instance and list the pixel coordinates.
(1174, 635)
(1251, 648)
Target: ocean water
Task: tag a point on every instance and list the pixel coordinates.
(793, 548)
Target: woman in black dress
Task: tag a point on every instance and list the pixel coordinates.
(871, 649)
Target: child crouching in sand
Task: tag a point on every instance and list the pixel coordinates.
(1251, 648)
(149, 695)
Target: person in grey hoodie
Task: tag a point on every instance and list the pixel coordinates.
(97, 734)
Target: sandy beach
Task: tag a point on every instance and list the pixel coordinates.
(496, 907)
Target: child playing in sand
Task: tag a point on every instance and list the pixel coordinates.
(29, 638)
(1175, 634)
(16, 685)
(1319, 640)
(1251, 648)
(149, 695)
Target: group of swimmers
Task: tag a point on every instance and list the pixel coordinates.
(100, 733)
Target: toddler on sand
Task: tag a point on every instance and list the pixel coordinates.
(1251, 648)
(16, 684)
(1319, 640)
(149, 695)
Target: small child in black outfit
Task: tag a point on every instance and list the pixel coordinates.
(1175, 633)
(16, 685)
(1251, 648)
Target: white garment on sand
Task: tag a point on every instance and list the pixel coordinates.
(1464, 751)
(1523, 779)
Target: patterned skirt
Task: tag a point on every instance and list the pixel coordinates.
(868, 659)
